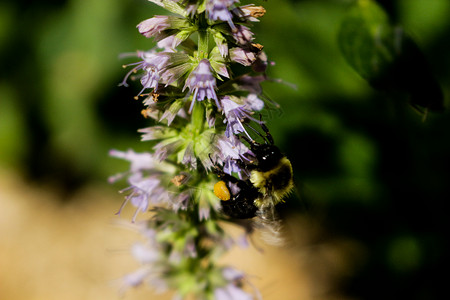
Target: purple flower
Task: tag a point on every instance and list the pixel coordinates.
(144, 254)
(136, 278)
(202, 83)
(243, 56)
(253, 103)
(153, 66)
(229, 152)
(153, 26)
(166, 67)
(144, 189)
(152, 63)
(235, 114)
(150, 255)
(220, 10)
(139, 162)
(169, 43)
(232, 290)
(161, 27)
(243, 35)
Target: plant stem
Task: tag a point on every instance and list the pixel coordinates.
(203, 38)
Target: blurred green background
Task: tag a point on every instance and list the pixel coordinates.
(367, 167)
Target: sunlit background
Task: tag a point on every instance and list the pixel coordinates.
(368, 218)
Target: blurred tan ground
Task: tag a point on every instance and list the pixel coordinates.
(50, 249)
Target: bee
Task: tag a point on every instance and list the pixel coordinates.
(270, 181)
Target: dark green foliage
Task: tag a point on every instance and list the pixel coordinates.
(387, 57)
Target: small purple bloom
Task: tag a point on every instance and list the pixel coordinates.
(143, 190)
(169, 43)
(136, 278)
(139, 162)
(144, 254)
(232, 290)
(153, 26)
(152, 63)
(235, 114)
(242, 56)
(150, 255)
(153, 66)
(220, 10)
(243, 35)
(229, 152)
(253, 103)
(202, 82)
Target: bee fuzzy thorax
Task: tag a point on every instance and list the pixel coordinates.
(276, 182)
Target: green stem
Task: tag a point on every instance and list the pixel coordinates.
(198, 117)
(203, 43)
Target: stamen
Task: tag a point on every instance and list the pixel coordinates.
(132, 71)
(245, 131)
(133, 220)
(122, 206)
(194, 99)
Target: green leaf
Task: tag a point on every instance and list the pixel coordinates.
(386, 57)
(170, 6)
(365, 39)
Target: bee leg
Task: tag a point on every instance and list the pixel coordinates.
(253, 144)
(248, 165)
(218, 171)
(266, 131)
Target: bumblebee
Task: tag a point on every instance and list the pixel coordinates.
(270, 181)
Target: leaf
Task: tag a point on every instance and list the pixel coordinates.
(386, 57)
(170, 6)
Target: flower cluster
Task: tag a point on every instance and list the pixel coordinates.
(201, 87)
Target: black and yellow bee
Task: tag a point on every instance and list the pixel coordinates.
(270, 181)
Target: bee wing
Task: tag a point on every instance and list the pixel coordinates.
(269, 225)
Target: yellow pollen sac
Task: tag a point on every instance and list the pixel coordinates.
(221, 191)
